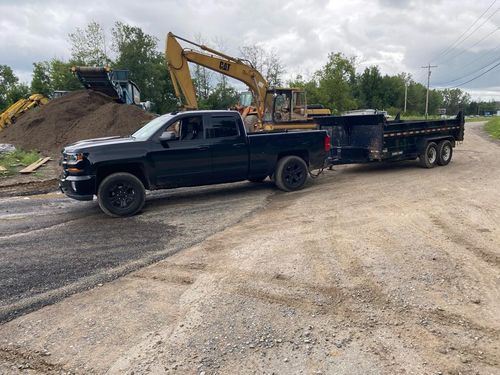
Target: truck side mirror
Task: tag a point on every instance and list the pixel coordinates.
(168, 136)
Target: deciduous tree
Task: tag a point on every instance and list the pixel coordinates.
(11, 90)
(138, 52)
(88, 45)
(336, 81)
(267, 62)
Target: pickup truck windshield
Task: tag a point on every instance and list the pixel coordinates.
(151, 127)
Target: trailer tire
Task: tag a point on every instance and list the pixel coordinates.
(445, 152)
(429, 158)
(291, 173)
(121, 194)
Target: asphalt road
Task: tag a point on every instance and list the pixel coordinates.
(52, 246)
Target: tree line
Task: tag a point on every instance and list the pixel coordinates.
(337, 84)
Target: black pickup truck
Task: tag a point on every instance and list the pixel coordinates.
(187, 149)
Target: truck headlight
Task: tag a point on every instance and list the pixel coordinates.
(73, 158)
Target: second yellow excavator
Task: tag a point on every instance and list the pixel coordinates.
(9, 116)
(275, 108)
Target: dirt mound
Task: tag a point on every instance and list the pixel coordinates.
(78, 115)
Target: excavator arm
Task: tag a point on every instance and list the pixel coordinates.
(177, 59)
(9, 116)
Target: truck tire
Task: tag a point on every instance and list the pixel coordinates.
(121, 194)
(291, 173)
(445, 152)
(429, 158)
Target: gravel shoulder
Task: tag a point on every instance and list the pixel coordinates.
(44, 180)
(379, 269)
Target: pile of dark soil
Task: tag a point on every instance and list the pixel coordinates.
(78, 115)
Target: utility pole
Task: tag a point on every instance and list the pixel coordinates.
(406, 95)
(428, 67)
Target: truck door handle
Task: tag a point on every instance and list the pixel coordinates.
(238, 145)
(202, 148)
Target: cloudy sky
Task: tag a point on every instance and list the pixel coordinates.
(397, 35)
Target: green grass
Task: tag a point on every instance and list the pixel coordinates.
(16, 160)
(477, 119)
(493, 127)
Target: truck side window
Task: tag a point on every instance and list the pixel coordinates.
(187, 128)
(191, 128)
(222, 126)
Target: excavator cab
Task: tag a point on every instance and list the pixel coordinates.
(288, 105)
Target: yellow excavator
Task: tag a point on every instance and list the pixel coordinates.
(275, 108)
(9, 116)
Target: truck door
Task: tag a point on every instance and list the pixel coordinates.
(229, 149)
(184, 160)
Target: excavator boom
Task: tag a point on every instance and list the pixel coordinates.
(177, 59)
(9, 116)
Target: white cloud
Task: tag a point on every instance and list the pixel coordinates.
(397, 35)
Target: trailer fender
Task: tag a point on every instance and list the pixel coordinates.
(422, 143)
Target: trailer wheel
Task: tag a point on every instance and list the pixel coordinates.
(121, 194)
(291, 173)
(429, 158)
(445, 152)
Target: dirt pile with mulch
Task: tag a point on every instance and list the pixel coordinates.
(78, 115)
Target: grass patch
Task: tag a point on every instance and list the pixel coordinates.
(477, 119)
(16, 160)
(493, 127)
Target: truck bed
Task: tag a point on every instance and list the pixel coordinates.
(265, 148)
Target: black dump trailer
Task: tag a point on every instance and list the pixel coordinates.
(370, 138)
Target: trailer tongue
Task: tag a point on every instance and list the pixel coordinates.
(369, 138)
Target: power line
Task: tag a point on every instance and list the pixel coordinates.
(475, 44)
(480, 57)
(476, 77)
(458, 40)
(467, 37)
(471, 73)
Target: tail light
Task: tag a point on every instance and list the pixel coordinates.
(328, 144)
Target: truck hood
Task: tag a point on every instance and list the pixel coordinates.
(97, 142)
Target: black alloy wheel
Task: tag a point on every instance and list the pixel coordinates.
(121, 194)
(291, 173)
